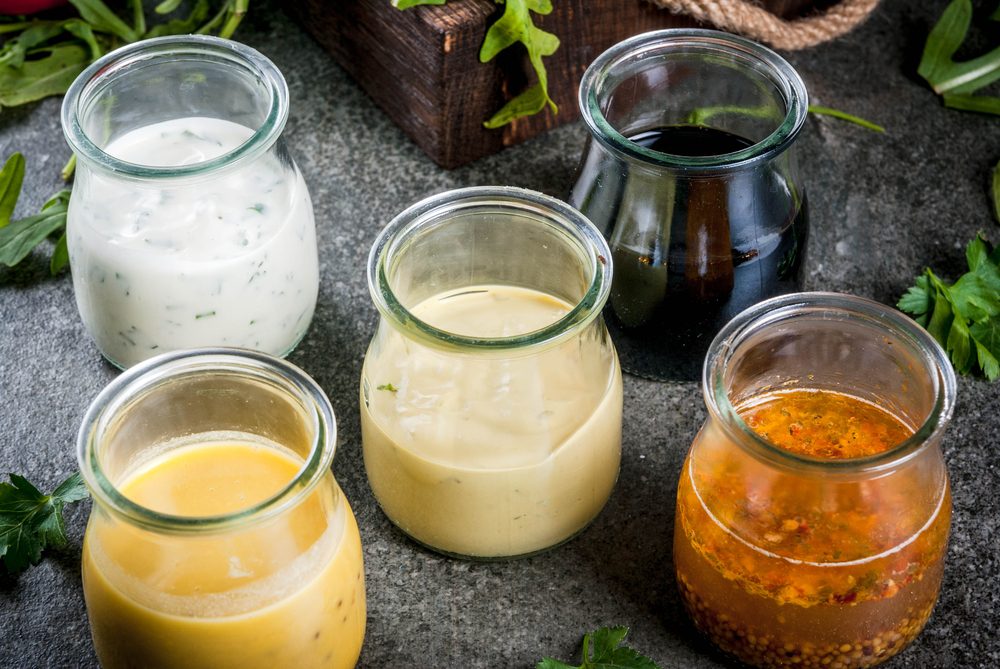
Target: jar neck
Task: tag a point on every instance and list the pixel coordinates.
(489, 236)
(200, 392)
(837, 343)
(693, 77)
(169, 78)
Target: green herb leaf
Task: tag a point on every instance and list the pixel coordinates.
(97, 14)
(16, 48)
(844, 116)
(84, 31)
(406, 4)
(603, 649)
(19, 238)
(167, 6)
(963, 317)
(937, 66)
(516, 25)
(11, 177)
(41, 77)
(387, 386)
(60, 255)
(984, 104)
(183, 26)
(31, 521)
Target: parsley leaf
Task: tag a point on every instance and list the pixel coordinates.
(603, 649)
(31, 521)
(964, 316)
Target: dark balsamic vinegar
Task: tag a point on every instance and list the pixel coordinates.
(732, 239)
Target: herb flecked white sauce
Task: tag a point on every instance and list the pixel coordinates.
(227, 259)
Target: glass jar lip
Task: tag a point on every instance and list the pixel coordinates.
(146, 51)
(437, 208)
(646, 44)
(159, 369)
(877, 315)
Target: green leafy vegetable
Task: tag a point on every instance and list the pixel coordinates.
(406, 4)
(31, 521)
(19, 237)
(46, 55)
(603, 649)
(515, 26)
(844, 116)
(964, 316)
(387, 386)
(956, 81)
(11, 177)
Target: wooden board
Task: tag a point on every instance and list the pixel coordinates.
(422, 65)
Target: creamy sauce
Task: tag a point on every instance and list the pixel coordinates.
(491, 456)
(288, 592)
(228, 259)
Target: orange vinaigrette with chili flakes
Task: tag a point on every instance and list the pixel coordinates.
(780, 568)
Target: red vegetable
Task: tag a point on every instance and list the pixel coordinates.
(28, 6)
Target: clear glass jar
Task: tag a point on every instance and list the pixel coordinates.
(189, 223)
(690, 172)
(817, 558)
(218, 536)
(491, 396)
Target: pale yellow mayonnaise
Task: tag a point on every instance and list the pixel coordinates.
(491, 455)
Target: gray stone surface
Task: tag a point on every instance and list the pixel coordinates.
(883, 207)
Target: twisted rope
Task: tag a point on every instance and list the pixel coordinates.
(745, 18)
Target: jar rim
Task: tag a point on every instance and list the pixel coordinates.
(779, 70)
(151, 373)
(875, 314)
(544, 208)
(141, 54)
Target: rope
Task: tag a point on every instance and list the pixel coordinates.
(740, 16)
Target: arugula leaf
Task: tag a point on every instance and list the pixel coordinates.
(603, 649)
(31, 521)
(516, 26)
(956, 81)
(11, 177)
(42, 77)
(181, 26)
(963, 317)
(103, 19)
(19, 238)
(984, 104)
(60, 255)
(844, 116)
(16, 48)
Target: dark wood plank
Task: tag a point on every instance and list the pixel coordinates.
(422, 65)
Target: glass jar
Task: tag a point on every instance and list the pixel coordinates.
(690, 173)
(800, 555)
(189, 223)
(218, 536)
(491, 396)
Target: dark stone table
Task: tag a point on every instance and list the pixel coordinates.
(883, 207)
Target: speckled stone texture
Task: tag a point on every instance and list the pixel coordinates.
(882, 206)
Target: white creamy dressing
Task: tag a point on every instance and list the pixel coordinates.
(228, 258)
(491, 455)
